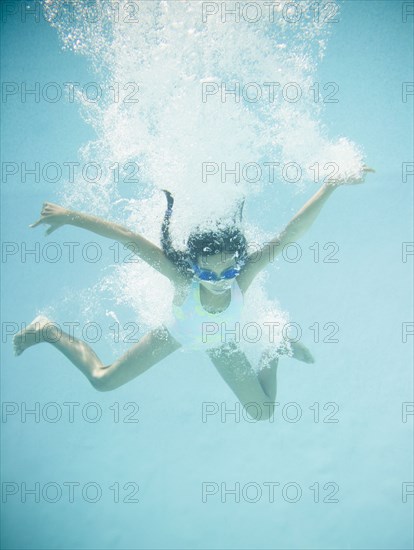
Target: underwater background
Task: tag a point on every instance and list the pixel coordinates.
(170, 460)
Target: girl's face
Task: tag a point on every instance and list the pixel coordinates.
(217, 263)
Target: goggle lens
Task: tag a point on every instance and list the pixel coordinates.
(206, 275)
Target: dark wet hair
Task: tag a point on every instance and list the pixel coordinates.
(224, 238)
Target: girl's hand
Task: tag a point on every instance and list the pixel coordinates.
(350, 181)
(54, 215)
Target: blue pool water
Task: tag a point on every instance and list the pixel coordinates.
(162, 462)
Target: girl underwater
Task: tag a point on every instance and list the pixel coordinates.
(209, 279)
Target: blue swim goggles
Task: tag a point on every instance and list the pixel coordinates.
(207, 275)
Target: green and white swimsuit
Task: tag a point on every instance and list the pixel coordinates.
(197, 329)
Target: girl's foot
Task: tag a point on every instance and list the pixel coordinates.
(31, 335)
(297, 351)
(301, 352)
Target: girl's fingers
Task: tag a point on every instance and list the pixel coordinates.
(47, 210)
(50, 230)
(35, 224)
(366, 168)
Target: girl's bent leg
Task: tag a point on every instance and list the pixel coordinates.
(267, 374)
(151, 349)
(251, 389)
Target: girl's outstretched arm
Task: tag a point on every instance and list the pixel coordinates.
(297, 226)
(57, 216)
